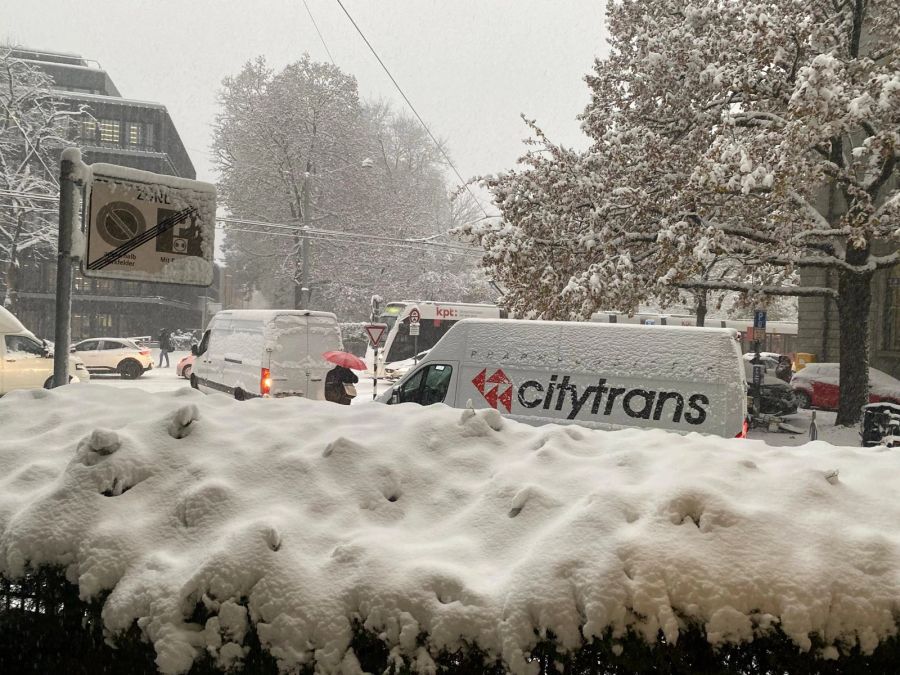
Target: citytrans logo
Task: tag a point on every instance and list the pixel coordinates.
(496, 389)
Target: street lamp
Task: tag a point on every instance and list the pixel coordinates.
(305, 291)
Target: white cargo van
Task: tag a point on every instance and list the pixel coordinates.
(263, 352)
(598, 375)
(25, 361)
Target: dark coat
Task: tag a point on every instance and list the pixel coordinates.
(335, 380)
(165, 341)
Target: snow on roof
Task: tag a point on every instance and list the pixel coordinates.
(302, 516)
(9, 323)
(665, 353)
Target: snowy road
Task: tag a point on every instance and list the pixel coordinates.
(164, 379)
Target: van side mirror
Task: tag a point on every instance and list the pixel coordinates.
(194, 350)
(395, 397)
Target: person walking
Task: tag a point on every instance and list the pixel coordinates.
(339, 385)
(165, 346)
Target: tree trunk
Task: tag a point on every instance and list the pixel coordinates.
(701, 298)
(11, 281)
(854, 302)
(11, 295)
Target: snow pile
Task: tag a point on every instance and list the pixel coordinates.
(299, 516)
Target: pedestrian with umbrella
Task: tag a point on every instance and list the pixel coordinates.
(341, 380)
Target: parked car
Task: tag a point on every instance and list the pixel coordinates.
(818, 386)
(114, 355)
(776, 396)
(27, 362)
(184, 366)
(397, 369)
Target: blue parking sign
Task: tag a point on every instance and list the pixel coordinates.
(759, 318)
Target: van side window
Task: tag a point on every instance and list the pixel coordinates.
(427, 386)
(204, 344)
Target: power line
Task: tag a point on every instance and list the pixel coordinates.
(316, 26)
(411, 107)
(348, 242)
(338, 233)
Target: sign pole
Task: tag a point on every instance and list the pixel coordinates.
(68, 198)
(374, 331)
(759, 332)
(375, 375)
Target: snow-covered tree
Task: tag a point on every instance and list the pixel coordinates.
(302, 135)
(33, 127)
(763, 134)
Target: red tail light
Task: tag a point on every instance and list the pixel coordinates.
(745, 428)
(145, 352)
(265, 381)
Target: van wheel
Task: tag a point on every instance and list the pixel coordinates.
(240, 394)
(194, 381)
(803, 399)
(130, 369)
(186, 373)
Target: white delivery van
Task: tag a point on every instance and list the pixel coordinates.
(598, 375)
(266, 352)
(25, 361)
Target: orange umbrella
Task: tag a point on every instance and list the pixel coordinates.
(346, 360)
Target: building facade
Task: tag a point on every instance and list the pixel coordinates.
(818, 330)
(116, 130)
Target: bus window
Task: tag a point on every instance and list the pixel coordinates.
(404, 345)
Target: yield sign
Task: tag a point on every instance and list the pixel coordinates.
(375, 331)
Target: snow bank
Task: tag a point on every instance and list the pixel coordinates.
(300, 516)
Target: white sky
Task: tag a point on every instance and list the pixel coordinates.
(469, 66)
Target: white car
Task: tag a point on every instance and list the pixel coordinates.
(27, 362)
(397, 369)
(114, 355)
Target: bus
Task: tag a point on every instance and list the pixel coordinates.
(435, 320)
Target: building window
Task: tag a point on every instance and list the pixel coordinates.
(89, 131)
(110, 132)
(135, 133)
(892, 311)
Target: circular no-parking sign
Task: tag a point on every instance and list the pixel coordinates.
(414, 316)
(119, 222)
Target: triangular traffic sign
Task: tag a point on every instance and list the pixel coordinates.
(375, 331)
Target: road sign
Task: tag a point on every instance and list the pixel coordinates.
(759, 319)
(143, 226)
(414, 317)
(413, 329)
(375, 331)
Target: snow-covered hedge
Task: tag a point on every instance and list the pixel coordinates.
(210, 524)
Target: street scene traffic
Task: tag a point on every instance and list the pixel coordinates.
(412, 345)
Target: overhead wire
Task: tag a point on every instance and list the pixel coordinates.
(317, 237)
(316, 26)
(415, 112)
(338, 233)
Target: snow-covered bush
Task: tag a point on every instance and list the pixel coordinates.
(318, 535)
